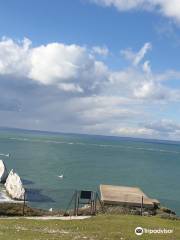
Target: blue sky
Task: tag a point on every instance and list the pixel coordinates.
(91, 66)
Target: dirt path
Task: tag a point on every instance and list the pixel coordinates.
(49, 218)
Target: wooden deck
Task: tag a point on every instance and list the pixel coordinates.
(126, 196)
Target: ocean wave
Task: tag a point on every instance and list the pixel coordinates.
(153, 150)
(130, 147)
(4, 155)
(19, 139)
(94, 144)
(33, 140)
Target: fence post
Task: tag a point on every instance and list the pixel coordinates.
(24, 202)
(142, 202)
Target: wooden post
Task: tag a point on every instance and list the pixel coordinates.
(101, 204)
(95, 202)
(74, 195)
(75, 203)
(91, 203)
(77, 208)
(142, 202)
(24, 202)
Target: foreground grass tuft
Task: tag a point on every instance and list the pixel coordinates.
(106, 227)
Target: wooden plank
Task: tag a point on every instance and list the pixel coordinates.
(121, 195)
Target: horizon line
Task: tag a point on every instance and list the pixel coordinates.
(88, 134)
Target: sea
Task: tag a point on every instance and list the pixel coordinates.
(54, 165)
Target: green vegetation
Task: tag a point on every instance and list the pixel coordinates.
(120, 227)
(16, 209)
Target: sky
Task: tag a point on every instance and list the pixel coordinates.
(108, 67)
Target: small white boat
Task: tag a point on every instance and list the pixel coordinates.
(61, 176)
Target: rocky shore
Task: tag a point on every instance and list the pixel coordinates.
(12, 182)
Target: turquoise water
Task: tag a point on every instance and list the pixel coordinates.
(87, 161)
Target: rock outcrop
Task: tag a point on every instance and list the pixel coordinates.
(14, 186)
(3, 172)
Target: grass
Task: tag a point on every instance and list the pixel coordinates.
(106, 227)
(16, 209)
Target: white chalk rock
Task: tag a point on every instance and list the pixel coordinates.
(14, 186)
(3, 172)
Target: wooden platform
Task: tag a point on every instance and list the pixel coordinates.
(126, 196)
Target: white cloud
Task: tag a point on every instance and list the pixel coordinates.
(168, 75)
(69, 67)
(136, 58)
(152, 90)
(14, 57)
(164, 125)
(38, 81)
(141, 82)
(73, 68)
(55, 62)
(134, 132)
(100, 114)
(70, 87)
(146, 67)
(163, 128)
(168, 8)
(103, 51)
(122, 5)
(146, 90)
(142, 85)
